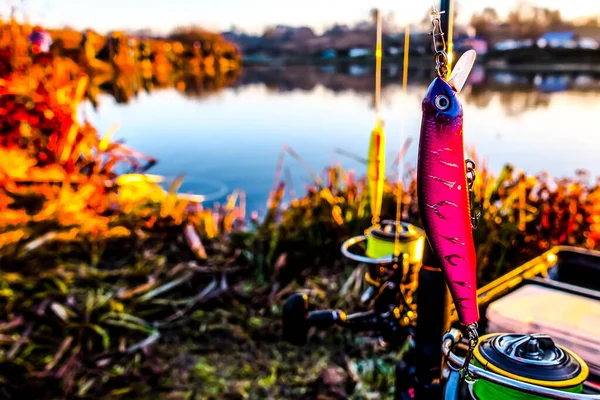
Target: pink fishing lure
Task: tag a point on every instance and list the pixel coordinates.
(444, 195)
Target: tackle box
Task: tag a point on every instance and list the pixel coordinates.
(573, 321)
(557, 293)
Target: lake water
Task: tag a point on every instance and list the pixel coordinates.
(233, 138)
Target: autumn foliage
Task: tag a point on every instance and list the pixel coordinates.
(83, 245)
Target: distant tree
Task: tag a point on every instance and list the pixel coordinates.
(425, 22)
(552, 19)
(530, 21)
(389, 23)
(524, 21)
(190, 34)
(590, 22)
(458, 8)
(336, 30)
(145, 32)
(210, 43)
(485, 21)
(388, 20)
(268, 31)
(373, 14)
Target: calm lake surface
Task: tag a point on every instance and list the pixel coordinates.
(232, 139)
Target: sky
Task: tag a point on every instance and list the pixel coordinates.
(250, 15)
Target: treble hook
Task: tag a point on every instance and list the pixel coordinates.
(471, 176)
(473, 336)
(475, 221)
(471, 173)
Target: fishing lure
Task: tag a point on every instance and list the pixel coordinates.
(443, 188)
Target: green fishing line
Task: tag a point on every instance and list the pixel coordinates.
(485, 390)
(411, 242)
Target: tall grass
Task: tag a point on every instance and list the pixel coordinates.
(521, 217)
(95, 266)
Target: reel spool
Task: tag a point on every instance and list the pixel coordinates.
(517, 367)
(534, 359)
(381, 241)
(380, 249)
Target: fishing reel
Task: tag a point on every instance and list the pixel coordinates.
(382, 242)
(514, 367)
(391, 280)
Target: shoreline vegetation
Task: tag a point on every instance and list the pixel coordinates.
(192, 61)
(111, 287)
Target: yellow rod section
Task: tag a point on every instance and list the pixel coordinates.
(376, 158)
(378, 54)
(406, 48)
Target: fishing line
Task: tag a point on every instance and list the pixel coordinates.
(399, 187)
(378, 54)
(222, 189)
(450, 34)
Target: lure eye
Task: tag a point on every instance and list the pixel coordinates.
(442, 102)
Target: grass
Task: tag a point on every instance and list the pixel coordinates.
(112, 288)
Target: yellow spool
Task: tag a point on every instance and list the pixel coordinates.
(381, 241)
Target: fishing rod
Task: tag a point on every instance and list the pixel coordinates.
(376, 157)
(447, 25)
(399, 188)
(393, 252)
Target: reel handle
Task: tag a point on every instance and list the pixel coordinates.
(297, 320)
(295, 315)
(324, 319)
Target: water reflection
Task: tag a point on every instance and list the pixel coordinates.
(235, 137)
(517, 92)
(126, 87)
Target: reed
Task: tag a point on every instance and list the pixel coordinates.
(522, 217)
